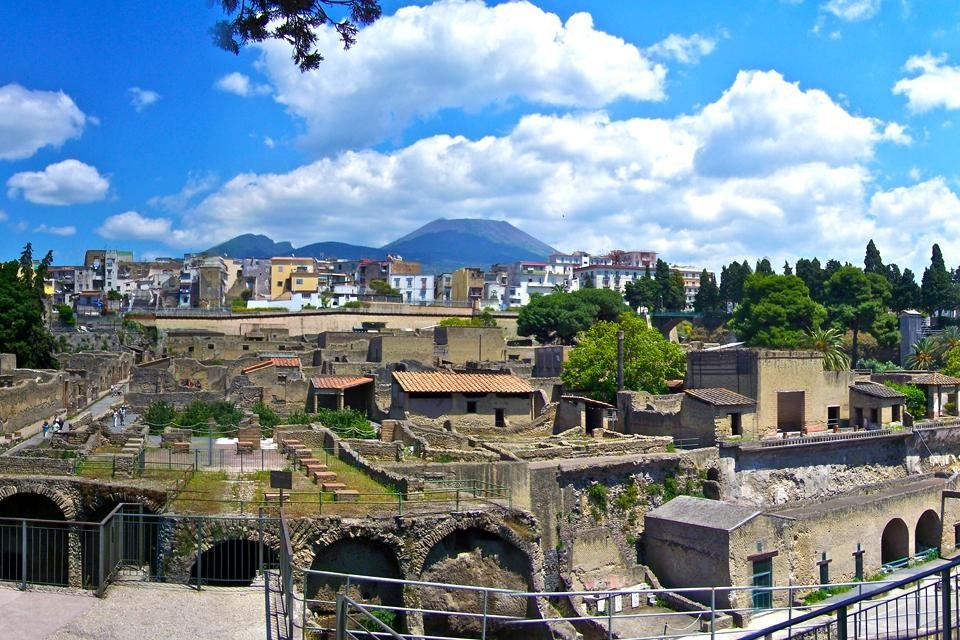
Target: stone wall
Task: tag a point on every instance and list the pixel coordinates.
(36, 465)
(35, 396)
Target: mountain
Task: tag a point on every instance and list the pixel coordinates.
(441, 245)
(249, 245)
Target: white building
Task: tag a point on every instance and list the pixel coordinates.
(608, 276)
(691, 281)
(414, 288)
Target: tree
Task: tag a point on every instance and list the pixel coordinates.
(22, 313)
(708, 295)
(776, 312)
(649, 359)
(65, 315)
(732, 278)
(787, 269)
(829, 342)
(561, 316)
(925, 353)
(672, 297)
(813, 276)
(906, 291)
(588, 282)
(916, 398)
(854, 300)
(296, 23)
(382, 288)
(937, 292)
(885, 330)
(872, 262)
(644, 292)
(763, 267)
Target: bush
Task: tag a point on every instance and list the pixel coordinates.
(196, 414)
(485, 319)
(916, 398)
(352, 304)
(268, 417)
(66, 316)
(628, 498)
(159, 415)
(597, 496)
(346, 423)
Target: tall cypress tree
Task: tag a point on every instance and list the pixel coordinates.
(937, 292)
(872, 262)
(708, 295)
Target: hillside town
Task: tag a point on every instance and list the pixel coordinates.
(480, 319)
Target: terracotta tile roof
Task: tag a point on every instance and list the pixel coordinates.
(447, 382)
(720, 397)
(876, 390)
(934, 378)
(272, 362)
(338, 382)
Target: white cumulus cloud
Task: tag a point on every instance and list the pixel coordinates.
(131, 225)
(683, 49)
(852, 10)
(67, 230)
(454, 54)
(241, 85)
(62, 183)
(140, 99)
(935, 83)
(768, 168)
(31, 120)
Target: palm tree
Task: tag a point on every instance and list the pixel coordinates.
(829, 342)
(925, 354)
(949, 339)
(560, 288)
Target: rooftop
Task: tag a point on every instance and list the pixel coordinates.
(712, 514)
(449, 382)
(933, 378)
(338, 382)
(720, 397)
(876, 390)
(272, 362)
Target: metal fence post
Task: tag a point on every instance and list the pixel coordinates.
(947, 608)
(483, 633)
(341, 617)
(102, 578)
(23, 551)
(609, 617)
(842, 623)
(199, 554)
(713, 612)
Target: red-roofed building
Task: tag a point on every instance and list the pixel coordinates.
(342, 392)
(490, 398)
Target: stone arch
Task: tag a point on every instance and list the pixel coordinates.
(360, 555)
(927, 532)
(64, 502)
(478, 554)
(230, 563)
(895, 541)
(46, 543)
(176, 552)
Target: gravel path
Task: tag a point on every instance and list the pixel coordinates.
(134, 612)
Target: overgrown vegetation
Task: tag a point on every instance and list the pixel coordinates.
(195, 415)
(916, 398)
(65, 315)
(484, 319)
(823, 593)
(346, 423)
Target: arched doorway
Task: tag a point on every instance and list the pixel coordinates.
(231, 563)
(476, 557)
(927, 533)
(361, 557)
(46, 541)
(895, 542)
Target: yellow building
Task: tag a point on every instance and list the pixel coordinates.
(466, 285)
(292, 274)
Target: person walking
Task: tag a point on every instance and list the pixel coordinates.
(116, 419)
(46, 429)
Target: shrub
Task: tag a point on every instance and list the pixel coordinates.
(159, 414)
(346, 423)
(65, 313)
(268, 417)
(597, 496)
(916, 398)
(352, 304)
(627, 499)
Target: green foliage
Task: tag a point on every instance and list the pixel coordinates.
(561, 316)
(925, 354)
(776, 312)
(823, 593)
(643, 292)
(937, 291)
(22, 313)
(597, 496)
(708, 295)
(872, 262)
(114, 295)
(649, 359)
(485, 319)
(381, 288)
(812, 275)
(296, 23)
(906, 291)
(886, 330)
(916, 398)
(159, 414)
(65, 314)
(733, 277)
(829, 342)
(763, 268)
(672, 296)
(239, 304)
(268, 417)
(387, 617)
(855, 299)
(627, 499)
(951, 362)
(346, 423)
(876, 366)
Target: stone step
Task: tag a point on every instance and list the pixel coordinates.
(312, 468)
(324, 476)
(346, 495)
(333, 486)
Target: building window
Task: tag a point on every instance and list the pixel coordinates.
(472, 406)
(280, 269)
(279, 283)
(299, 280)
(896, 412)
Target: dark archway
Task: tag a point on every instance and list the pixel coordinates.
(46, 540)
(895, 542)
(480, 558)
(927, 532)
(231, 563)
(362, 557)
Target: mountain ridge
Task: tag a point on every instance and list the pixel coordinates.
(441, 245)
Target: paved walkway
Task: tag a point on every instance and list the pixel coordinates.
(134, 612)
(96, 409)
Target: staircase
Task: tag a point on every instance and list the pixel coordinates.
(318, 472)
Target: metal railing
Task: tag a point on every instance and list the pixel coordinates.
(220, 459)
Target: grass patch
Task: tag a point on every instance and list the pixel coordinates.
(823, 593)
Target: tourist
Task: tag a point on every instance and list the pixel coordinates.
(46, 429)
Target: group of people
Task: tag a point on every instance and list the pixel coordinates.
(55, 425)
(119, 415)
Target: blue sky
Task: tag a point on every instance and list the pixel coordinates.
(705, 130)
